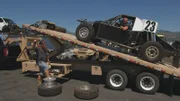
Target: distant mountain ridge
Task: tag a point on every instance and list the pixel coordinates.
(170, 36)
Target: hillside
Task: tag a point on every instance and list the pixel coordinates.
(170, 36)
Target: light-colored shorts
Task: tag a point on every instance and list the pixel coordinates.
(43, 66)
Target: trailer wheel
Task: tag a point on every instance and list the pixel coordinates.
(152, 51)
(46, 91)
(147, 83)
(85, 32)
(116, 80)
(86, 92)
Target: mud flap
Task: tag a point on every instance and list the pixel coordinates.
(96, 70)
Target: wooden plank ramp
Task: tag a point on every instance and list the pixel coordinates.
(168, 69)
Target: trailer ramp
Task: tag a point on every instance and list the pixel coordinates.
(165, 68)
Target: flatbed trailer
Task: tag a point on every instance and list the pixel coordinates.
(161, 68)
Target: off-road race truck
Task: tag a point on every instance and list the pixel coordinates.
(48, 25)
(140, 39)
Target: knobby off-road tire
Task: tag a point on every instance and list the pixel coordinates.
(47, 92)
(85, 32)
(86, 92)
(147, 83)
(152, 51)
(116, 80)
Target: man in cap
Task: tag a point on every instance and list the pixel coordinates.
(124, 25)
(42, 59)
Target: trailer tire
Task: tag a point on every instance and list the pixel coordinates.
(154, 80)
(85, 33)
(111, 76)
(86, 92)
(154, 47)
(46, 92)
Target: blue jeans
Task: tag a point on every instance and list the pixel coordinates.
(42, 66)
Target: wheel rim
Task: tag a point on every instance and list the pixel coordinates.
(152, 52)
(147, 83)
(83, 32)
(116, 80)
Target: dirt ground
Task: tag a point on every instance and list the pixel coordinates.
(15, 86)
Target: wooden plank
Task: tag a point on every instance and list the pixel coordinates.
(133, 59)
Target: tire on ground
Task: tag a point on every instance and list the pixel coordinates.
(90, 33)
(155, 45)
(86, 92)
(152, 89)
(46, 92)
(123, 77)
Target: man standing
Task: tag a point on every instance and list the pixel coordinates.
(42, 59)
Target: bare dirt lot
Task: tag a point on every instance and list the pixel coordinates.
(15, 86)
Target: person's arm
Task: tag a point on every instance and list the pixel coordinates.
(34, 44)
(124, 28)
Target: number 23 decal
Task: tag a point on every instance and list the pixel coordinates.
(150, 26)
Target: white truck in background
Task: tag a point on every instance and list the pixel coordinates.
(5, 22)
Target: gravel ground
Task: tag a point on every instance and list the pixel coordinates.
(15, 86)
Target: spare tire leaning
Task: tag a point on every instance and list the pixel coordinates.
(47, 92)
(86, 92)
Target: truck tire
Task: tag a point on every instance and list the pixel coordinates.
(53, 91)
(85, 33)
(86, 92)
(152, 51)
(116, 80)
(150, 86)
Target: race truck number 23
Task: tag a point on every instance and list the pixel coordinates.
(150, 26)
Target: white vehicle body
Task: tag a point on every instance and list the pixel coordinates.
(2, 23)
(5, 22)
(145, 25)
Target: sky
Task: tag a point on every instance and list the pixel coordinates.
(65, 13)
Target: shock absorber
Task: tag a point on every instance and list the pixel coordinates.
(176, 56)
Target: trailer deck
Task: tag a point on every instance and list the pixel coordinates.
(165, 68)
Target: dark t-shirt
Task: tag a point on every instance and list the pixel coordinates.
(122, 23)
(41, 55)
